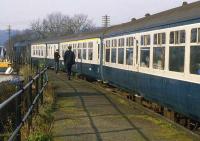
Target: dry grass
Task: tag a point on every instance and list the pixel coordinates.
(41, 123)
(26, 71)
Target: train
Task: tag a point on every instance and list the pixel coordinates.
(156, 56)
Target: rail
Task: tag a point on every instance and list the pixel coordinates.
(27, 98)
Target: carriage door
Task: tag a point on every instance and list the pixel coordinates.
(101, 58)
(56, 46)
(137, 53)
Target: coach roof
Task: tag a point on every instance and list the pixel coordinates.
(186, 12)
(74, 37)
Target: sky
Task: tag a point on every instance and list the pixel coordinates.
(20, 13)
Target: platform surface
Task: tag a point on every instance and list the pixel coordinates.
(85, 112)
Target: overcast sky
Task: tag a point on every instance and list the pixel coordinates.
(20, 13)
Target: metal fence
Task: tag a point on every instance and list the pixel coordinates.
(26, 102)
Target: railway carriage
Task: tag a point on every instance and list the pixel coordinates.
(157, 56)
(87, 55)
(38, 52)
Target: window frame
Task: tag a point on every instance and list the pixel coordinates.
(177, 37)
(184, 63)
(162, 47)
(145, 40)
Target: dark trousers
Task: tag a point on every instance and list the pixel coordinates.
(69, 70)
(56, 66)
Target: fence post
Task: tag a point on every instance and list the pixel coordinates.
(37, 90)
(30, 102)
(18, 111)
(41, 82)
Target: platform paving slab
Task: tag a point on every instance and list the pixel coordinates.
(83, 112)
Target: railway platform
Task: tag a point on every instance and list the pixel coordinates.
(87, 112)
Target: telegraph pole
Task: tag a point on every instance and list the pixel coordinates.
(9, 43)
(105, 21)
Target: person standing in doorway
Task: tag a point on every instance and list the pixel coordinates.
(56, 60)
(69, 60)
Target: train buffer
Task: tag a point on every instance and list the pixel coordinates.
(87, 112)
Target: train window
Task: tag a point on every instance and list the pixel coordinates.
(194, 35)
(41, 52)
(171, 37)
(79, 53)
(74, 52)
(142, 40)
(129, 56)
(198, 34)
(63, 52)
(182, 36)
(158, 58)
(84, 54)
(155, 41)
(90, 44)
(163, 38)
(195, 60)
(84, 45)
(177, 37)
(120, 55)
(79, 45)
(121, 42)
(129, 41)
(107, 55)
(108, 43)
(145, 57)
(98, 50)
(114, 43)
(145, 40)
(33, 49)
(159, 38)
(90, 54)
(113, 55)
(176, 58)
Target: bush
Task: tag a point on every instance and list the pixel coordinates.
(38, 136)
(7, 113)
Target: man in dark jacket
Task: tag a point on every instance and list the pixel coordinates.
(69, 60)
(56, 59)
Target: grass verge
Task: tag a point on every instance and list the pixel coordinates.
(42, 122)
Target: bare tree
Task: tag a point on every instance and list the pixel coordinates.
(81, 23)
(57, 24)
(37, 27)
